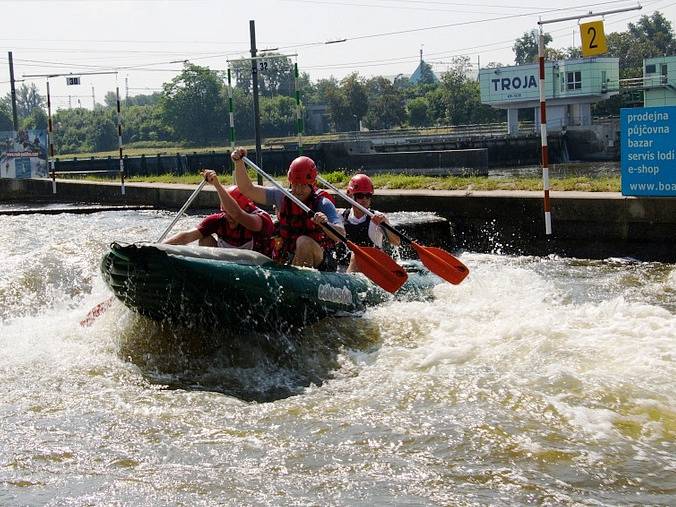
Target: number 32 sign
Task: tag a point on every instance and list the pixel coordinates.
(593, 39)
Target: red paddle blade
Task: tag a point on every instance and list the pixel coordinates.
(441, 263)
(95, 312)
(379, 267)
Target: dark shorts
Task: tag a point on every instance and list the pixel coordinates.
(330, 260)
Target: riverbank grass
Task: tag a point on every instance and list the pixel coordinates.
(410, 182)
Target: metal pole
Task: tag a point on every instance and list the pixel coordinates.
(15, 117)
(254, 79)
(231, 112)
(543, 134)
(119, 138)
(50, 139)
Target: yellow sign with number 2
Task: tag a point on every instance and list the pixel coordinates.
(593, 38)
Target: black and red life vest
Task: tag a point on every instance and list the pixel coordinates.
(357, 233)
(295, 222)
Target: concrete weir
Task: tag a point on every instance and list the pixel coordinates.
(592, 225)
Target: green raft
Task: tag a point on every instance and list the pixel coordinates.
(240, 289)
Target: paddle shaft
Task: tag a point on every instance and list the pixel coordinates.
(182, 210)
(364, 209)
(295, 199)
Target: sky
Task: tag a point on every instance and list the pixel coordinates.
(144, 42)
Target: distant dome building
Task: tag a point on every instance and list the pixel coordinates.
(423, 73)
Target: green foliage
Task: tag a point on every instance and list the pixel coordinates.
(278, 115)
(37, 119)
(657, 32)
(144, 123)
(5, 115)
(275, 76)
(385, 105)
(526, 48)
(457, 99)
(347, 102)
(82, 130)
(418, 112)
(27, 99)
(191, 104)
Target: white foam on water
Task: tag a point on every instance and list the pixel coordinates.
(595, 362)
(533, 381)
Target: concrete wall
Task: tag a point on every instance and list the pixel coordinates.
(585, 224)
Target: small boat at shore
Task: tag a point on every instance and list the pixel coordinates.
(240, 289)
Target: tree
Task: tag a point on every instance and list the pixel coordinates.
(275, 75)
(385, 104)
(457, 100)
(651, 36)
(347, 101)
(27, 99)
(656, 30)
(278, 116)
(356, 95)
(418, 112)
(6, 122)
(192, 105)
(36, 120)
(526, 48)
(110, 99)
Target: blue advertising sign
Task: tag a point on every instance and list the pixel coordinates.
(648, 151)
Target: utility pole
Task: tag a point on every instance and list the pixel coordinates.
(15, 117)
(93, 99)
(126, 91)
(254, 79)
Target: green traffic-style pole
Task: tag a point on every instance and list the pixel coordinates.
(299, 109)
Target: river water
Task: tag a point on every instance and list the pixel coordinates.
(548, 381)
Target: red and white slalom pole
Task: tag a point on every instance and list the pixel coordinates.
(543, 134)
(119, 137)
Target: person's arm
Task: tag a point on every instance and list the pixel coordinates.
(230, 206)
(327, 213)
(254, 192)
(183, 238)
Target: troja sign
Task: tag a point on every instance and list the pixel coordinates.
(514, 83)
(648, 151)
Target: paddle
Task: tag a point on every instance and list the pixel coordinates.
(101, 308)
(437, 260)
(374, 263)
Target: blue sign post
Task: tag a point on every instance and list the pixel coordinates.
(648, 151)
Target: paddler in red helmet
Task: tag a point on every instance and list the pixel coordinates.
(240, 223)
(359, 227)
(303, 241)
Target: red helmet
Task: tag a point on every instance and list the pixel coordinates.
(303, 171)
(244, 202)
(360, 183)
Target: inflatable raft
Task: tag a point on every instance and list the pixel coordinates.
(202, 286)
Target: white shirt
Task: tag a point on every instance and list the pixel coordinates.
(375, 232)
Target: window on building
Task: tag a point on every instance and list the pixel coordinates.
(650, 69)
(574, 80)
